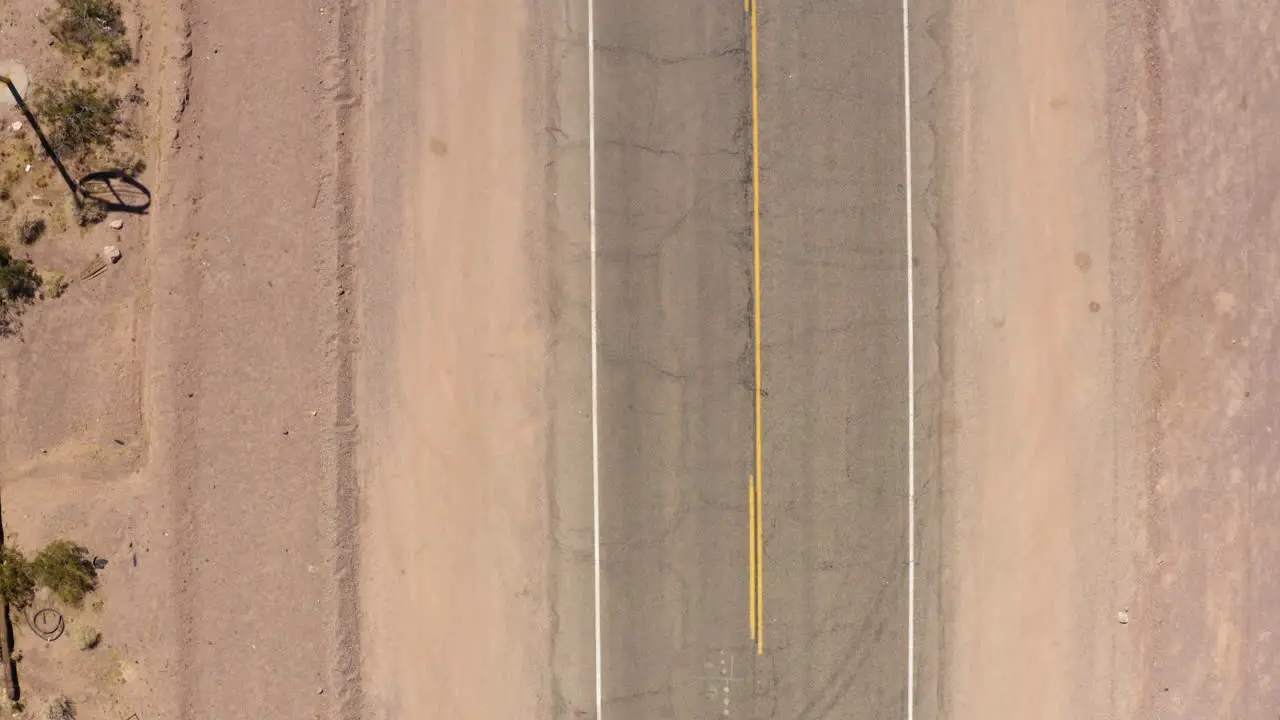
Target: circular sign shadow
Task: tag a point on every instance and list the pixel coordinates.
(117, 191)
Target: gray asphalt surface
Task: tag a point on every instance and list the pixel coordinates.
(675, 381)
(677, 432)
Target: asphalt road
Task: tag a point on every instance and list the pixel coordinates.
(677, 431)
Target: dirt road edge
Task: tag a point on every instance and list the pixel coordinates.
(346, 101)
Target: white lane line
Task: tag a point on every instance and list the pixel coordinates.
(595, 341)
(911, 369)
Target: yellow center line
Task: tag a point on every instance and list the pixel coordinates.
(751, 543)
(759, 570)
(758, 495)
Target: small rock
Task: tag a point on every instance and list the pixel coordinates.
(116, 224)
(286, 432)
(1123, 617)
(320, 691)
(112, 253)
(16, 126)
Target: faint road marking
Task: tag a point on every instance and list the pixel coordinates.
(755, 227)
(911, 368)
(720, 684)
(595, 344)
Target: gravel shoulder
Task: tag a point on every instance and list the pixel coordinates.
(453, 366)
(1035, 433)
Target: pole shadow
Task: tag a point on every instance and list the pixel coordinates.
(44, 141)
(114, 190)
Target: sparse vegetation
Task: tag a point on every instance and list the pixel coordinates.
(77, 119)
(16, 154)
(19, 284)
(126, 160)
(87, 637)
(66, 569)
(53, 283)
(90, 211)
(59, 708)
(30, 228)
(92, 29)
(17, 585)
(18, 278)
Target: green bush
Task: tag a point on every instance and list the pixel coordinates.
(19, 283)
(17, 586)
(77, 118)
(18, 278)
(66, 569)
(91, 28)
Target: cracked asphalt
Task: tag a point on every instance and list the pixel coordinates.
(673, 86)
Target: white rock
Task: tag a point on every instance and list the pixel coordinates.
(1123, 617)
(16, 126)
(116, 224)
(112, 253)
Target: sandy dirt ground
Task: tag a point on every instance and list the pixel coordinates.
(1107, 304)
(73, 441)
(248, 402)
(188, 414)
(1210, 603)
(196, 419)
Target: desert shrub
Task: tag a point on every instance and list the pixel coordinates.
(30, 228)
(59, 708)
(78, 118)
(17, 585)
(19, 284)
(18, 278)
(53, 283)
(66, 569)
(90, 211)
(87, 637)
(91, 28)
